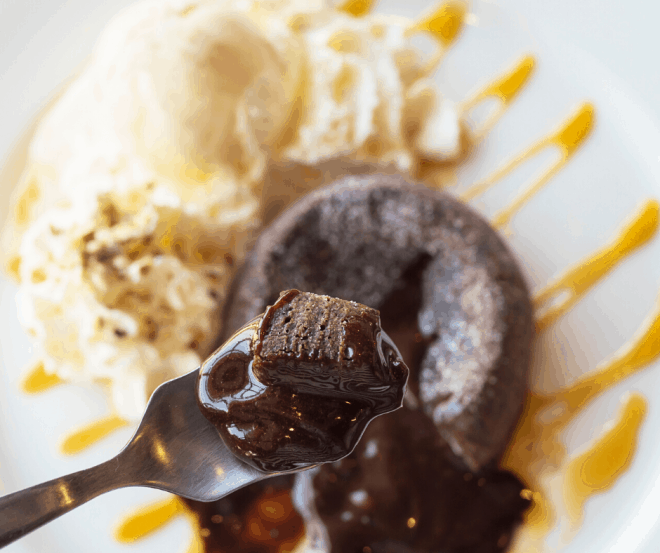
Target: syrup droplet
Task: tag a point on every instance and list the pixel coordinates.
(357, 8)
(598, 468)
(92, 433)
(444, 24)
(38, 380)
(509, 85)
(148, 519)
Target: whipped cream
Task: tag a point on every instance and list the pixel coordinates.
(149, 173)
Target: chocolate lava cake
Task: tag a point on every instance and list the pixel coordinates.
(451, 296)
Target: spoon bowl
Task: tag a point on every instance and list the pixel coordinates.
(178, 450)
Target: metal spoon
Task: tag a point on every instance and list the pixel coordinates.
(174, 449)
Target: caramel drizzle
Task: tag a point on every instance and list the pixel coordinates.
(642, 349)
(444, 25)
(505, 89)
(88, 435)
(150, 518)
(568, 138)
(38, 380)
(357, 8)
(147, 519)
(565, 290)
(535, 449)
(598, 468)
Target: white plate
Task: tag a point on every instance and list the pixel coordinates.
(580, 209)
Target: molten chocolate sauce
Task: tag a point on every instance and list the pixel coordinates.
(298, 386)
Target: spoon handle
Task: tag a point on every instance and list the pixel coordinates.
(26, 510)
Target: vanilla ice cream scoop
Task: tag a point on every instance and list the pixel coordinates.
(182, 88)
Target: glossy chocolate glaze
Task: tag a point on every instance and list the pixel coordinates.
(298, 386)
